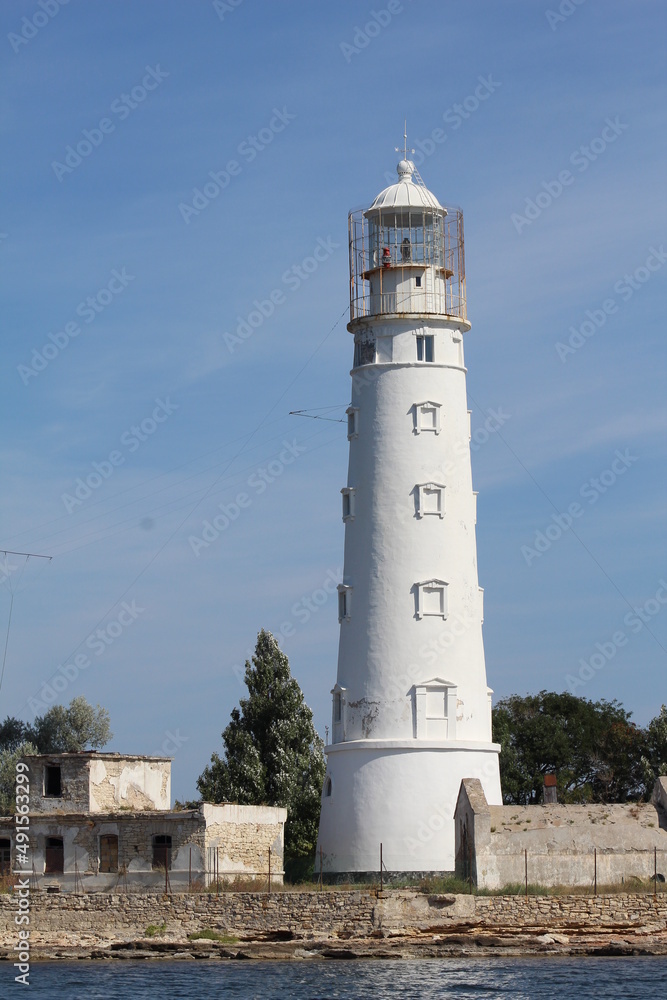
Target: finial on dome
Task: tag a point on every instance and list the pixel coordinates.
(405, 167)
(405, 170)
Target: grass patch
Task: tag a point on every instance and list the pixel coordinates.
(155, 930)
(210, 935)
(435, 885)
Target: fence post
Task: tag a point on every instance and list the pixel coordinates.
(525, 858)
(381, 867)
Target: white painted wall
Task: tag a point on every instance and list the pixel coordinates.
(391, 781)
(402, 795)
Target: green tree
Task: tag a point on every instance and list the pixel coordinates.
(593, 747)
(655, 761)
(72, 729)
(13, 732)
(9, 758)
(272, 753)
(60, 730)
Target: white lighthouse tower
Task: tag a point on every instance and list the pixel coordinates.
(411, 712)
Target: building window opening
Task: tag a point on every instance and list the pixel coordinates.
(430, 499)
(109, 853)
(161, 851)
(52, 781)
(344, 602)
(418, 281)
(406, 250)
(338, 708)
(431, 598)
(425, 348)
(352, 422)
(5, 856)
(54, 855)
(348, 503)
(427, 417)
(327, 788)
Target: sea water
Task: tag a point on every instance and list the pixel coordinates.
(425, 979)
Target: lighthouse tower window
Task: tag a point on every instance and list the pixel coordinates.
(426, 417)
(338, 714)
(434, 708)
(352, 422)
(344, 602)
(348, 503)
(430, 499)
(425, 348)
(431, 598)
(418, 281)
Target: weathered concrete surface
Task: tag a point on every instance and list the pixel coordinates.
(92, 781)
(559, 841)
(354, 924)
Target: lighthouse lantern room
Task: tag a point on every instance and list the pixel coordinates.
(411, 710)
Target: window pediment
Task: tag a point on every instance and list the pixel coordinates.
(426, 417)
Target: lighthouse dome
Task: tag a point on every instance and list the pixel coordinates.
(406, 193)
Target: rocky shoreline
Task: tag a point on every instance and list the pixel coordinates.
(352, 925)
(475, 945)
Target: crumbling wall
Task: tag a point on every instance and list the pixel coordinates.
(137, 784)
(241, 837)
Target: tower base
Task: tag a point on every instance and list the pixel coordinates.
(400, 794)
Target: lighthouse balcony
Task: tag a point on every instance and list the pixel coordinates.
(407, 260)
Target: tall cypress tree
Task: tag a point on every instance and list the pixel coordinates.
(272, 753)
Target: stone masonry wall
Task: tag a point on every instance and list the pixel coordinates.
(303, 915)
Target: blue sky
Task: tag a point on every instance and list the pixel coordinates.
(155, 308)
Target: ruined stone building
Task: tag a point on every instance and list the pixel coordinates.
(101, 820)
(558, 844)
